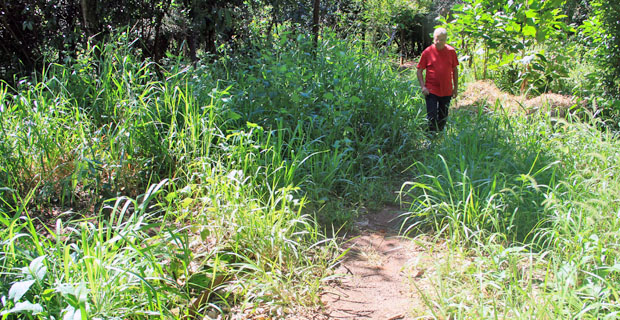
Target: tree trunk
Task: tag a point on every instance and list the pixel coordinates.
(315, 22)
(364, 25)
(192, 33)
(89, 17)
(160, 43)
(92, 24)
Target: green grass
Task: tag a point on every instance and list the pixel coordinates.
(529, 207)
(239, 161)
(130, 190)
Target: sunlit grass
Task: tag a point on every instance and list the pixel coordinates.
(529, 207)
(237, 167)
(130, 190)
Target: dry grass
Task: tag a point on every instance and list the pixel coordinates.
(552, 103)
(485, 94)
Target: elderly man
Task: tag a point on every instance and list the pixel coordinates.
(442, 79)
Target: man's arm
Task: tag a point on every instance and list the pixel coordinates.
(421, 80)
(455, 82)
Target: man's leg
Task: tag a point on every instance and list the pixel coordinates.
(442, 112)
(431, 111)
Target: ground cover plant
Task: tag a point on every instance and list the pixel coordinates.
(529, 209)
(134, 190)
(205, 187)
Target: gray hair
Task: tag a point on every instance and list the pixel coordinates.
(440, 32)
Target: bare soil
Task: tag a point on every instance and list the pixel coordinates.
(384, 274)
(377, 272)
(484, 93)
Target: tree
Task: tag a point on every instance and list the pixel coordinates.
(33, 31)
(507, 37)
(315, 21)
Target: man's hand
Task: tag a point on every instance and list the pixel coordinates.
(425, 91)
(455, 81)
(421, 80)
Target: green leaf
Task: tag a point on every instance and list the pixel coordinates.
(513, 27)
(541, 36)
(529, 31)
(283, 40)
(48, 294)
(531, 13)
(18, 289)
(538, 66)
(295, 98)
(614, 268)
(329, 96)
(24, 307)
(71, 313)
(542, 57)
(186, 202)
(507, 59)
(233, 115)
(74, 295)
(37, 269)
(171, 196)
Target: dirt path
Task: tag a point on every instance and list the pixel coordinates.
(377, 271)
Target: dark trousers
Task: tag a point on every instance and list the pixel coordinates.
(437, 112)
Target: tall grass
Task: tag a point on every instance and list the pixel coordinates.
(233, 159)
(530, 210)
(90, 268)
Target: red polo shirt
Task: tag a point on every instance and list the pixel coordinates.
(439, 65)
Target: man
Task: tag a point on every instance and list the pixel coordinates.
(442, 79)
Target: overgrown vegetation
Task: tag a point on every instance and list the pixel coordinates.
(226, 226)
(144, 175)
(529, 207)
(537, 47)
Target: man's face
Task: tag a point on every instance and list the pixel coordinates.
(440, 41)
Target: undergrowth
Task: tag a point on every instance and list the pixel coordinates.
(239, 160)
(529, 208)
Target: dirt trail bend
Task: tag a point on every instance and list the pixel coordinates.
(376, 271)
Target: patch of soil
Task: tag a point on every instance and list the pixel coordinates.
(383, 274)
(486, 94)
(376, 271)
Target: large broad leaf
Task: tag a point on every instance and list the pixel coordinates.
(529, 31)
(507, 59)
(531, 13)
(24, 307)
(541, 36)
(233, 115)
(18, 289)
(71, 313)
(73, 294)
(36, 269)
